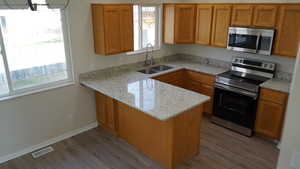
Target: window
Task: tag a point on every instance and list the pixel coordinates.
(34, 54)
(146, 26)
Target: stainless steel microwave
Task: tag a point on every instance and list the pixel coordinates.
(251, 40)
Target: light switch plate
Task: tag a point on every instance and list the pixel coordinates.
(295, 162)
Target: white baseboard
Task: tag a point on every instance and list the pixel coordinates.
(47, 143)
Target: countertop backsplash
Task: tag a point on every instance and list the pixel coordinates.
(286, 76)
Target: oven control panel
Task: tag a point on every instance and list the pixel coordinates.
(255, 64)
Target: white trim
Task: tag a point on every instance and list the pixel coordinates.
(140, 26)
(5, 62)
(14, 93)
(48, 142)
(9, 97)
(67, 41)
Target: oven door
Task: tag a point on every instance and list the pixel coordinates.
(243, 39)
(235, 106)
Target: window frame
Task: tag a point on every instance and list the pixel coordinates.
(13, 93)
(158, 18)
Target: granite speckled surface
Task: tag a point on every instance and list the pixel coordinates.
(157, 99)
(277, 84)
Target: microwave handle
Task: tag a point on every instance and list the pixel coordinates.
(257, 42)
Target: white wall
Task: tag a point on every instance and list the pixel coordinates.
(291, 133)
(30, 120)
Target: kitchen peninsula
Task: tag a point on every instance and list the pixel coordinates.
(161, 120)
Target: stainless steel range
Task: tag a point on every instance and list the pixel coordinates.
(236, 94)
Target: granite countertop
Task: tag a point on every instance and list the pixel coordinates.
(278, 85)
(157, 99)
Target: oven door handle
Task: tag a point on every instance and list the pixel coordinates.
(236, 90)
(257, 42)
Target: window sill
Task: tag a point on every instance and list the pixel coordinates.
(140, 51)
(5, 98)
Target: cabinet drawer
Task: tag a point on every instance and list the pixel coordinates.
(200, 77)
(273, 96)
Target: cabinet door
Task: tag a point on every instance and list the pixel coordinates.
(112, 29)
(168, 23)
(184, 23)
(265, 15)
(203, 24)
(288, 32)
(107, 114)
(100, 107)
(242, 15)
(127, 28)
(208, 91)
(269, 119)
(110, 112)
(221, 22)
(193, 85)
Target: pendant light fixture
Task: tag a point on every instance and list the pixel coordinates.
(34, 5)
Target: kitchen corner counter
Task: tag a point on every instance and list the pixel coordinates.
(157, 99)
(278, 85)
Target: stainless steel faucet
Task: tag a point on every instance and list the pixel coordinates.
(149, 60)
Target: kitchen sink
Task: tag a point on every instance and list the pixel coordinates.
(160, 68)
(155, 69)
(147, 71)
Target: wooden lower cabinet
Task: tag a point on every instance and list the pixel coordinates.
(270, 113)
(174, 78)
(106, 108)
(168, 142)
(269, 119)
(194, 81)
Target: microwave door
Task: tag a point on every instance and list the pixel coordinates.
(243, 42)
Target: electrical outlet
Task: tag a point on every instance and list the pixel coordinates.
(295, 162)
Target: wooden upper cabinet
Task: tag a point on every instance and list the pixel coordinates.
(221, 23)
(169, 22)
(203, 24)
(113, 28)
(179, 23)
(127, 28)
(184, 23)
(288, 31)
(265, 15)
(242, 15)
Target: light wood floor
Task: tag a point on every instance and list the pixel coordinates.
(95, 149)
